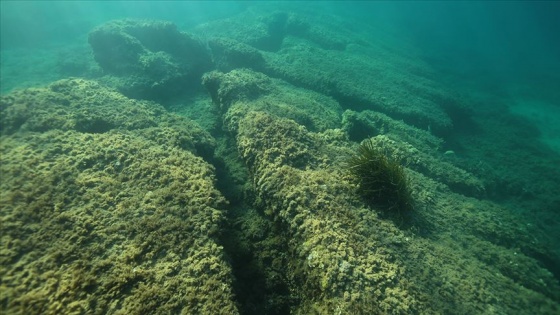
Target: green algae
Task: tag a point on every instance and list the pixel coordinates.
(342, 257)
(124, 221)
(110, 205)
(381, 179)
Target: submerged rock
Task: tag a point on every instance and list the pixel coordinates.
(341, 254)
(327, 55)
(149, 59)
(313, 110)
(123, 219)
(108, 204)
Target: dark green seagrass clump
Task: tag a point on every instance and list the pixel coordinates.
(382, 180)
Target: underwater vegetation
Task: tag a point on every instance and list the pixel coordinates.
(133, 190)
(381, 179)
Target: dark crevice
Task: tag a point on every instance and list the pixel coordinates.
(259, 283)
(252, 243)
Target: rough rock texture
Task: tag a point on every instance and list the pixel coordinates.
(334, 263)
(315, 111)
(368, 123)
(229, 54)
(89, 107)
(108, 204)
(456, 178)
(122, 220)
(329, 56)
(149, 59)
(343, 257)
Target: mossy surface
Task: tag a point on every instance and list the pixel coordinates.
(110, 205)
(90, 107)
(326, 55)
(149, 59)
(120, 222)
(313, 110)
(343, 257)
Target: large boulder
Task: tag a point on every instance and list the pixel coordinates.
(149, 59)
(107, 207)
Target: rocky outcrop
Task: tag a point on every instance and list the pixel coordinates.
(107, 207)
(149, 59)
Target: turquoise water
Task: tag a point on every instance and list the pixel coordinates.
(193, 158)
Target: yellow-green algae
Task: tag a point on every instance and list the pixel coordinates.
(119, 221)
(456, 255)
(314, 110)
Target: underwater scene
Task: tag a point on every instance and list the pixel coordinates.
(246, 157)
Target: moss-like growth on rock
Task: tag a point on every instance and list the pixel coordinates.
(123, 219)
(381, 179)
(147, 59)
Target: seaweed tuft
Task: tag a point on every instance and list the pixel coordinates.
(382, 180)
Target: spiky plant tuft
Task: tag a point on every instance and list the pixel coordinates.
(382, 181)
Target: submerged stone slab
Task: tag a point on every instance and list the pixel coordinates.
(149, 59)
(122, 221)
(341, 254)
(356, 67)
(315, 111)
(90, 107)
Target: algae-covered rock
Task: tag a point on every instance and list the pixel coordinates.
(89, 107)
(315, 111)
(340, 254)
(343, 256)
(456, 178)
(331, 264)
(229, 54)
(355, 66)
(149, 59)
(361, 83)
(121, 220)
(108, 204)
(264, 32)
(368, 123)
(417, 148)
